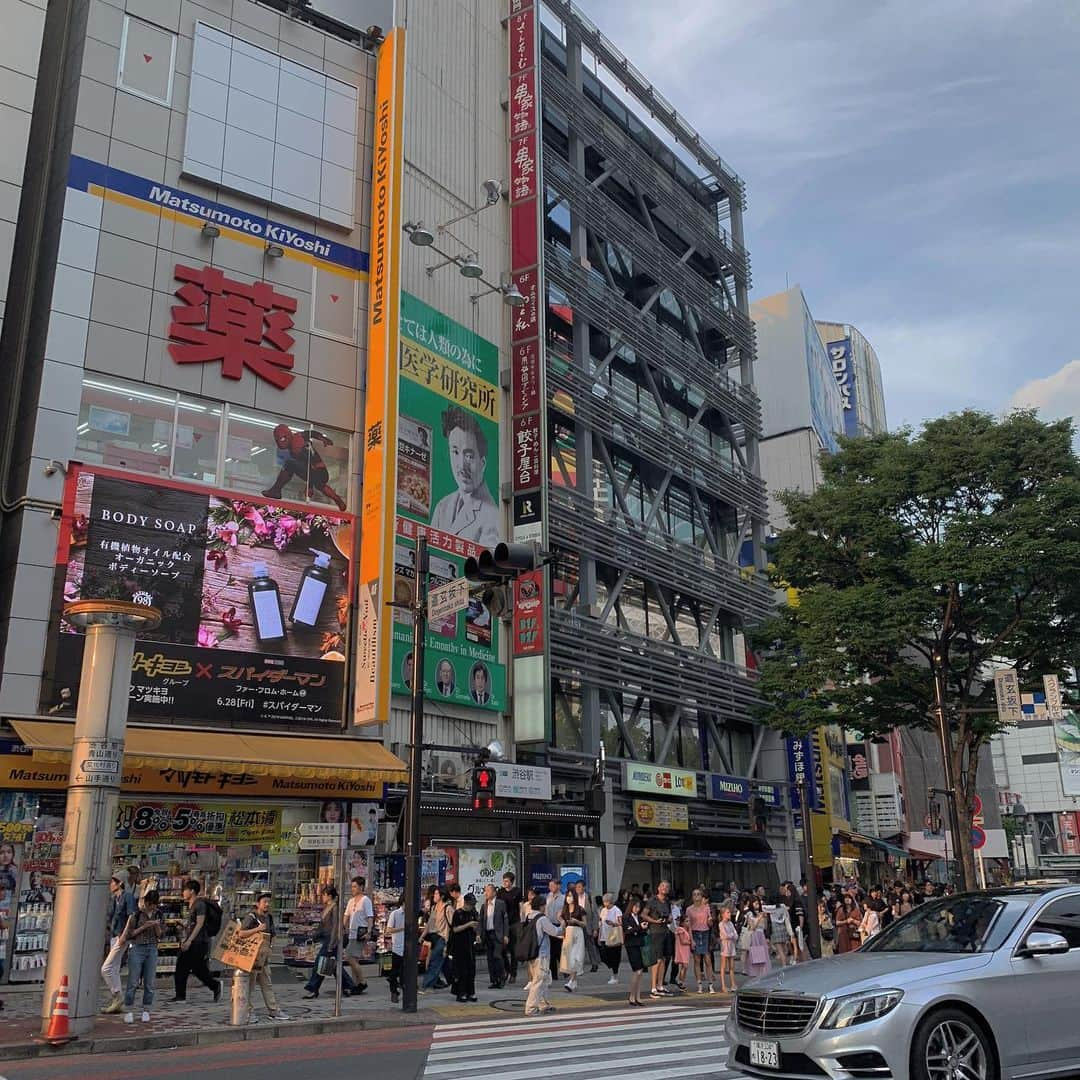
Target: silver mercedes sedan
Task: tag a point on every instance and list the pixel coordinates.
(977, 986)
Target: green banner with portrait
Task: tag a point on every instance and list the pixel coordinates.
(449, 405)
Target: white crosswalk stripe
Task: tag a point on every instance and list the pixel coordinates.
(656, 1043)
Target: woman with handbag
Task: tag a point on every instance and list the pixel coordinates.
(610, 937)
(636, 939)
(757, 956)
(329, 937)
(463, 928)
(699, 919)
(572, 957)
(436, 934)
(826, 928)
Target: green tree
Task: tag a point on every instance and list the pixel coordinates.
(936, 554)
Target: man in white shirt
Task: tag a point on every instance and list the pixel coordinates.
(553, 906)
(395, 929)
(359, 920)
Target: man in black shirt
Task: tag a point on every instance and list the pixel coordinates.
(259, 922)
(194, 946)
(510, 895)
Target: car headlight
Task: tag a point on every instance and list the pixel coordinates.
(861, 1008)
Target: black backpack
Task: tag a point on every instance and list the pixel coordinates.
(212, 921)
(527, 946)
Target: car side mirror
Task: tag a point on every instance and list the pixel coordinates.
(1040, 943)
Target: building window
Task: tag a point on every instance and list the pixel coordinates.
(165, 433)
(147, 60)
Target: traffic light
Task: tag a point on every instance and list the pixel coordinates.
(496, 568)
(483, 788)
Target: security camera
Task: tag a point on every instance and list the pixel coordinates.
(493, 191)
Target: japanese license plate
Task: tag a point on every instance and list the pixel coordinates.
(765, 1054)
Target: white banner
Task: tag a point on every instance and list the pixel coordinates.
(1007, 689)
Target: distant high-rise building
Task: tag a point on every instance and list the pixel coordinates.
(858, 374)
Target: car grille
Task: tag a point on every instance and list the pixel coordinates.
(774, 1014)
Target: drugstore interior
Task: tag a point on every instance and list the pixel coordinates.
(236, 847)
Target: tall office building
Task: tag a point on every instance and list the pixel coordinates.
(858, 374)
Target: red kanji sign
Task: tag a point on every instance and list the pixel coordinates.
(240, 325)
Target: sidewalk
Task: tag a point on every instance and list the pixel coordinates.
(199, 1022)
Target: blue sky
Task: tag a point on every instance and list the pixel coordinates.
(914, 166)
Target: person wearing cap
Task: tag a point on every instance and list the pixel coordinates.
(260, 923)
(121, 908)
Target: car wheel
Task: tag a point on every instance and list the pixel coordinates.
(952, 1045)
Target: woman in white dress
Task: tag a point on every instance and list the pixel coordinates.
(572, 958)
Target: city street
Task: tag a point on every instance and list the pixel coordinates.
(657, 1043)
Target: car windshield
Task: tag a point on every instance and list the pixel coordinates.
(956, 924)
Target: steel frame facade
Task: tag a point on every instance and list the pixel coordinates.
(653, 424)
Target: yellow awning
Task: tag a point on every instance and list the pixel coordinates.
(260, 755)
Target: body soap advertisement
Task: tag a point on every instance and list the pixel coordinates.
(253, 596)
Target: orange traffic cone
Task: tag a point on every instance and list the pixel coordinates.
(59, 1026)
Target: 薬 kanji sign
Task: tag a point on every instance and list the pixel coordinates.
(241, 325)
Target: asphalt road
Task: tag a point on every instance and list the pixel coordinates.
(391, 1054)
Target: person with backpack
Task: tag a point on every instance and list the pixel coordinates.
(202, 926)
(534, 949)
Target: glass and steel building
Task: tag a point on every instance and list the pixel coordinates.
(654, 498)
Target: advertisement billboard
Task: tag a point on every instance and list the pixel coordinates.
(826, 409)
(373, 662)
(254, 597)
(661, 815)
(843, 368)
(1067, 737)
(659, 780)
(448, 488)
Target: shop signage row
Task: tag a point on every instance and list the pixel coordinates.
(20, 772)
(661, 815)
(252, 621)
(659, 780)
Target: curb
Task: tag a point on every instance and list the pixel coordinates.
(188, 1037)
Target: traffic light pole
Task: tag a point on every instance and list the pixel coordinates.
(813, 926)
(411, 959)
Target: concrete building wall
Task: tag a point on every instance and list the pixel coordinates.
(789, 462)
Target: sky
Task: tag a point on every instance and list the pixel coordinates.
(914, 166)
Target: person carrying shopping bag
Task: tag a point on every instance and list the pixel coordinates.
(572, 957)
(329, 938)
(610, 937)
(260, 923)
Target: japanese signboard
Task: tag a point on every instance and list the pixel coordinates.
(448, 488)
(661, 815)
(480, 866)
(526, 219)
(374, 649)
(197, 823)
(235, 323)
(445, 601)
(804, 767)
(844, 372)
(1052, 690)
(1007, 691)
(522, 781)
(529, 613)
(253, 595)
(728, 788)
(658, 779)
(859, 766)
(241, 953)
(97, 762)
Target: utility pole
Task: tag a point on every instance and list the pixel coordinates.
(813, 929)
(97, 754)
(411, 959)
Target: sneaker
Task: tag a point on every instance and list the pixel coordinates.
(145, 1018)
(613, 981)
(129, 1018)
(656, 993)
(712, 990)
(253, 1019)
(702, 990)
(116, 1004)
(280, 1016)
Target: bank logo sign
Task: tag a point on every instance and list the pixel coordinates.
(659, 780)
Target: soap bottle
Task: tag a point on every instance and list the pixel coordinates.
(265, 605)
(314, 583)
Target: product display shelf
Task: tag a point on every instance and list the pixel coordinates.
(174, 912)
(31, 950)
(301, 949)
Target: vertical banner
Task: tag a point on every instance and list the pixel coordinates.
(805, 767)
(1007, 691)
(844, 371)
(373, 661)
(528, 405)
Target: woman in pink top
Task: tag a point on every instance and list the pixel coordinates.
(729, 936)
(699, 919)
(683, 941)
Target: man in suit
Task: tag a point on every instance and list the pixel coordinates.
(510, 895)
(553, 910)
(495, 929)
(470, 512)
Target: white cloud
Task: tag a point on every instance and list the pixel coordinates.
(1056, 396)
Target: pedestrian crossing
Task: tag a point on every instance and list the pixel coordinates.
(657, 1042)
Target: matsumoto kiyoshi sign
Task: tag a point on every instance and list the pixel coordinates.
(659, 780)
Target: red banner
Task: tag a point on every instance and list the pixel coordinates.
(529, 606)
